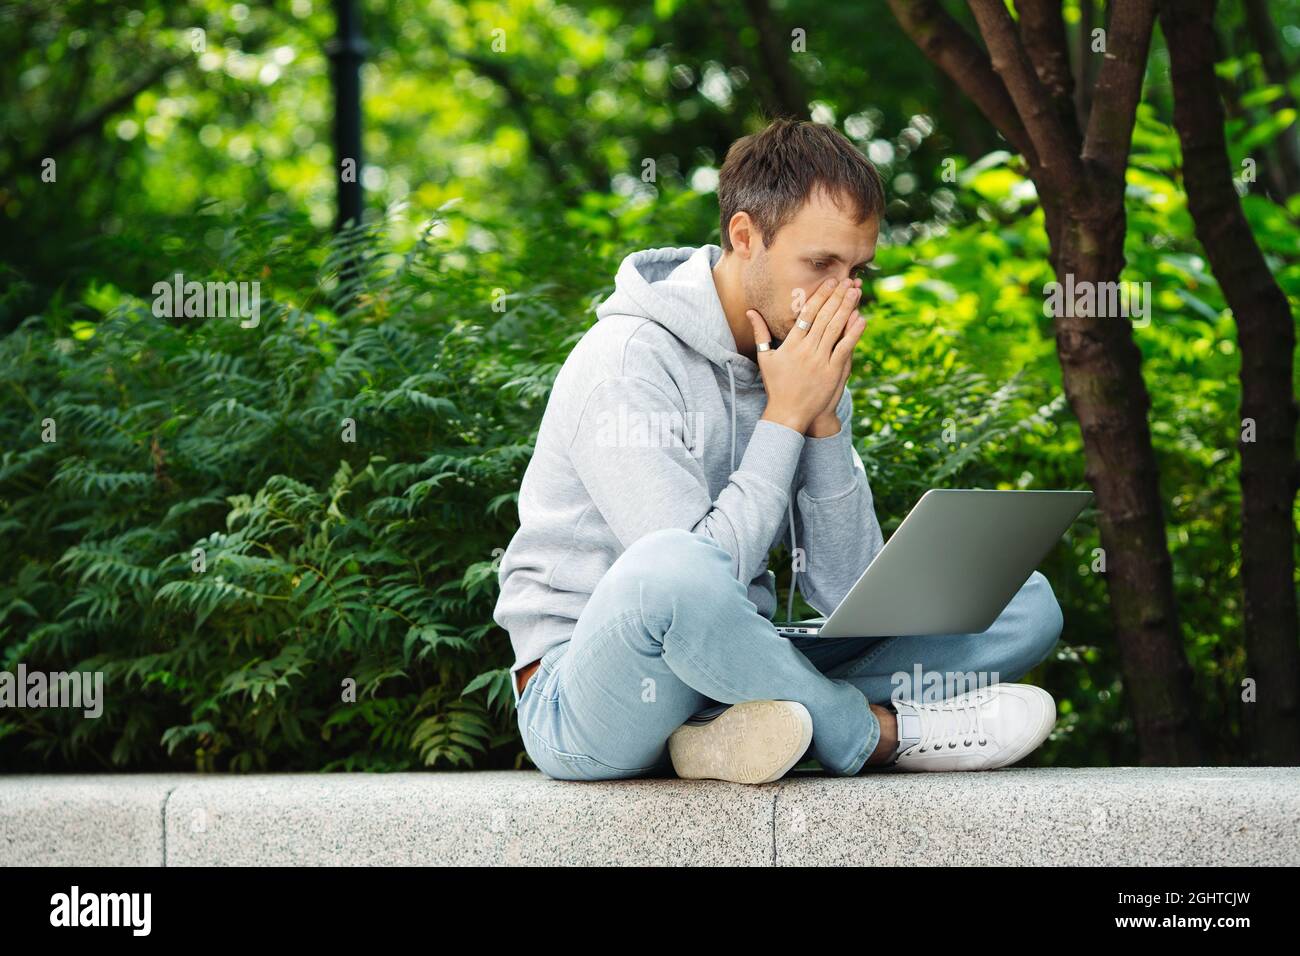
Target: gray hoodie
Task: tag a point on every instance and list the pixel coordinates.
(654, 423)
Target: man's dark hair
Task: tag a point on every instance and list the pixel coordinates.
(772, 173)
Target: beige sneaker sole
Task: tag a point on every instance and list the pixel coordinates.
(757, 741)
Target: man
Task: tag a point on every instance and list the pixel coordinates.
(679, 445)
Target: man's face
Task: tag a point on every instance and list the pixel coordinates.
(822, 241)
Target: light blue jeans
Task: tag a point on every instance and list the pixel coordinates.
(669, 633)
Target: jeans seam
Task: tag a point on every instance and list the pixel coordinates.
(712, 676)
(536, 681)
(609, 626)
(869, 748)
(617, 622)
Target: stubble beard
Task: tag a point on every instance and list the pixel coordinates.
(760, 295)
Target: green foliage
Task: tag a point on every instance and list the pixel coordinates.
(342, 619)
(183, 444)
(342, 616)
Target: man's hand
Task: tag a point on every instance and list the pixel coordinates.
(806, 376)
(827, 423)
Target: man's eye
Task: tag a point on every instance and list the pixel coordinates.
(819, 265)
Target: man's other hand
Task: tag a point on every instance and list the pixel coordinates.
(815, 363)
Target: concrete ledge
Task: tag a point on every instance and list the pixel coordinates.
(490, 817)
(84, 820)
(1124, 816)
(1086, 817)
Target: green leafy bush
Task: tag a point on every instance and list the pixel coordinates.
(330, 563)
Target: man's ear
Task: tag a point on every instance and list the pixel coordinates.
(745, 237)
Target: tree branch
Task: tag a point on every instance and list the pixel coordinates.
(951, 49)
(91, 122)
(1059, 164)
(1042, 31)
(1118, 91)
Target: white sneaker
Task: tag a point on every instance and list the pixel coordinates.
(756, 741)
(980, 730)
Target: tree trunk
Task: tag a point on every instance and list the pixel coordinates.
(1266, 334)
(1102, 375)
(1019, 87)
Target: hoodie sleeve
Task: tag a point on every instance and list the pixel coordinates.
(646, 485)
(835, 521)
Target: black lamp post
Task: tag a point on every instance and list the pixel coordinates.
(346, 51)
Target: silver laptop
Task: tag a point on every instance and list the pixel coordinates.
(953, 565)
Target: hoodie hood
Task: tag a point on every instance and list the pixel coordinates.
(674, 288)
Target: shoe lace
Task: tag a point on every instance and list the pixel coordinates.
(950, 719)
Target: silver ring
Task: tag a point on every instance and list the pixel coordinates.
(803, 325)
(764, 346)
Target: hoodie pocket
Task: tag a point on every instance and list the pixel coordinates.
(582, 566)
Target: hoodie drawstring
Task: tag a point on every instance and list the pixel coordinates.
(794, 560)
(794, 546)
(731, 377)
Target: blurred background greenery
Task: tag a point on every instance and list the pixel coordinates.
(195, 137)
